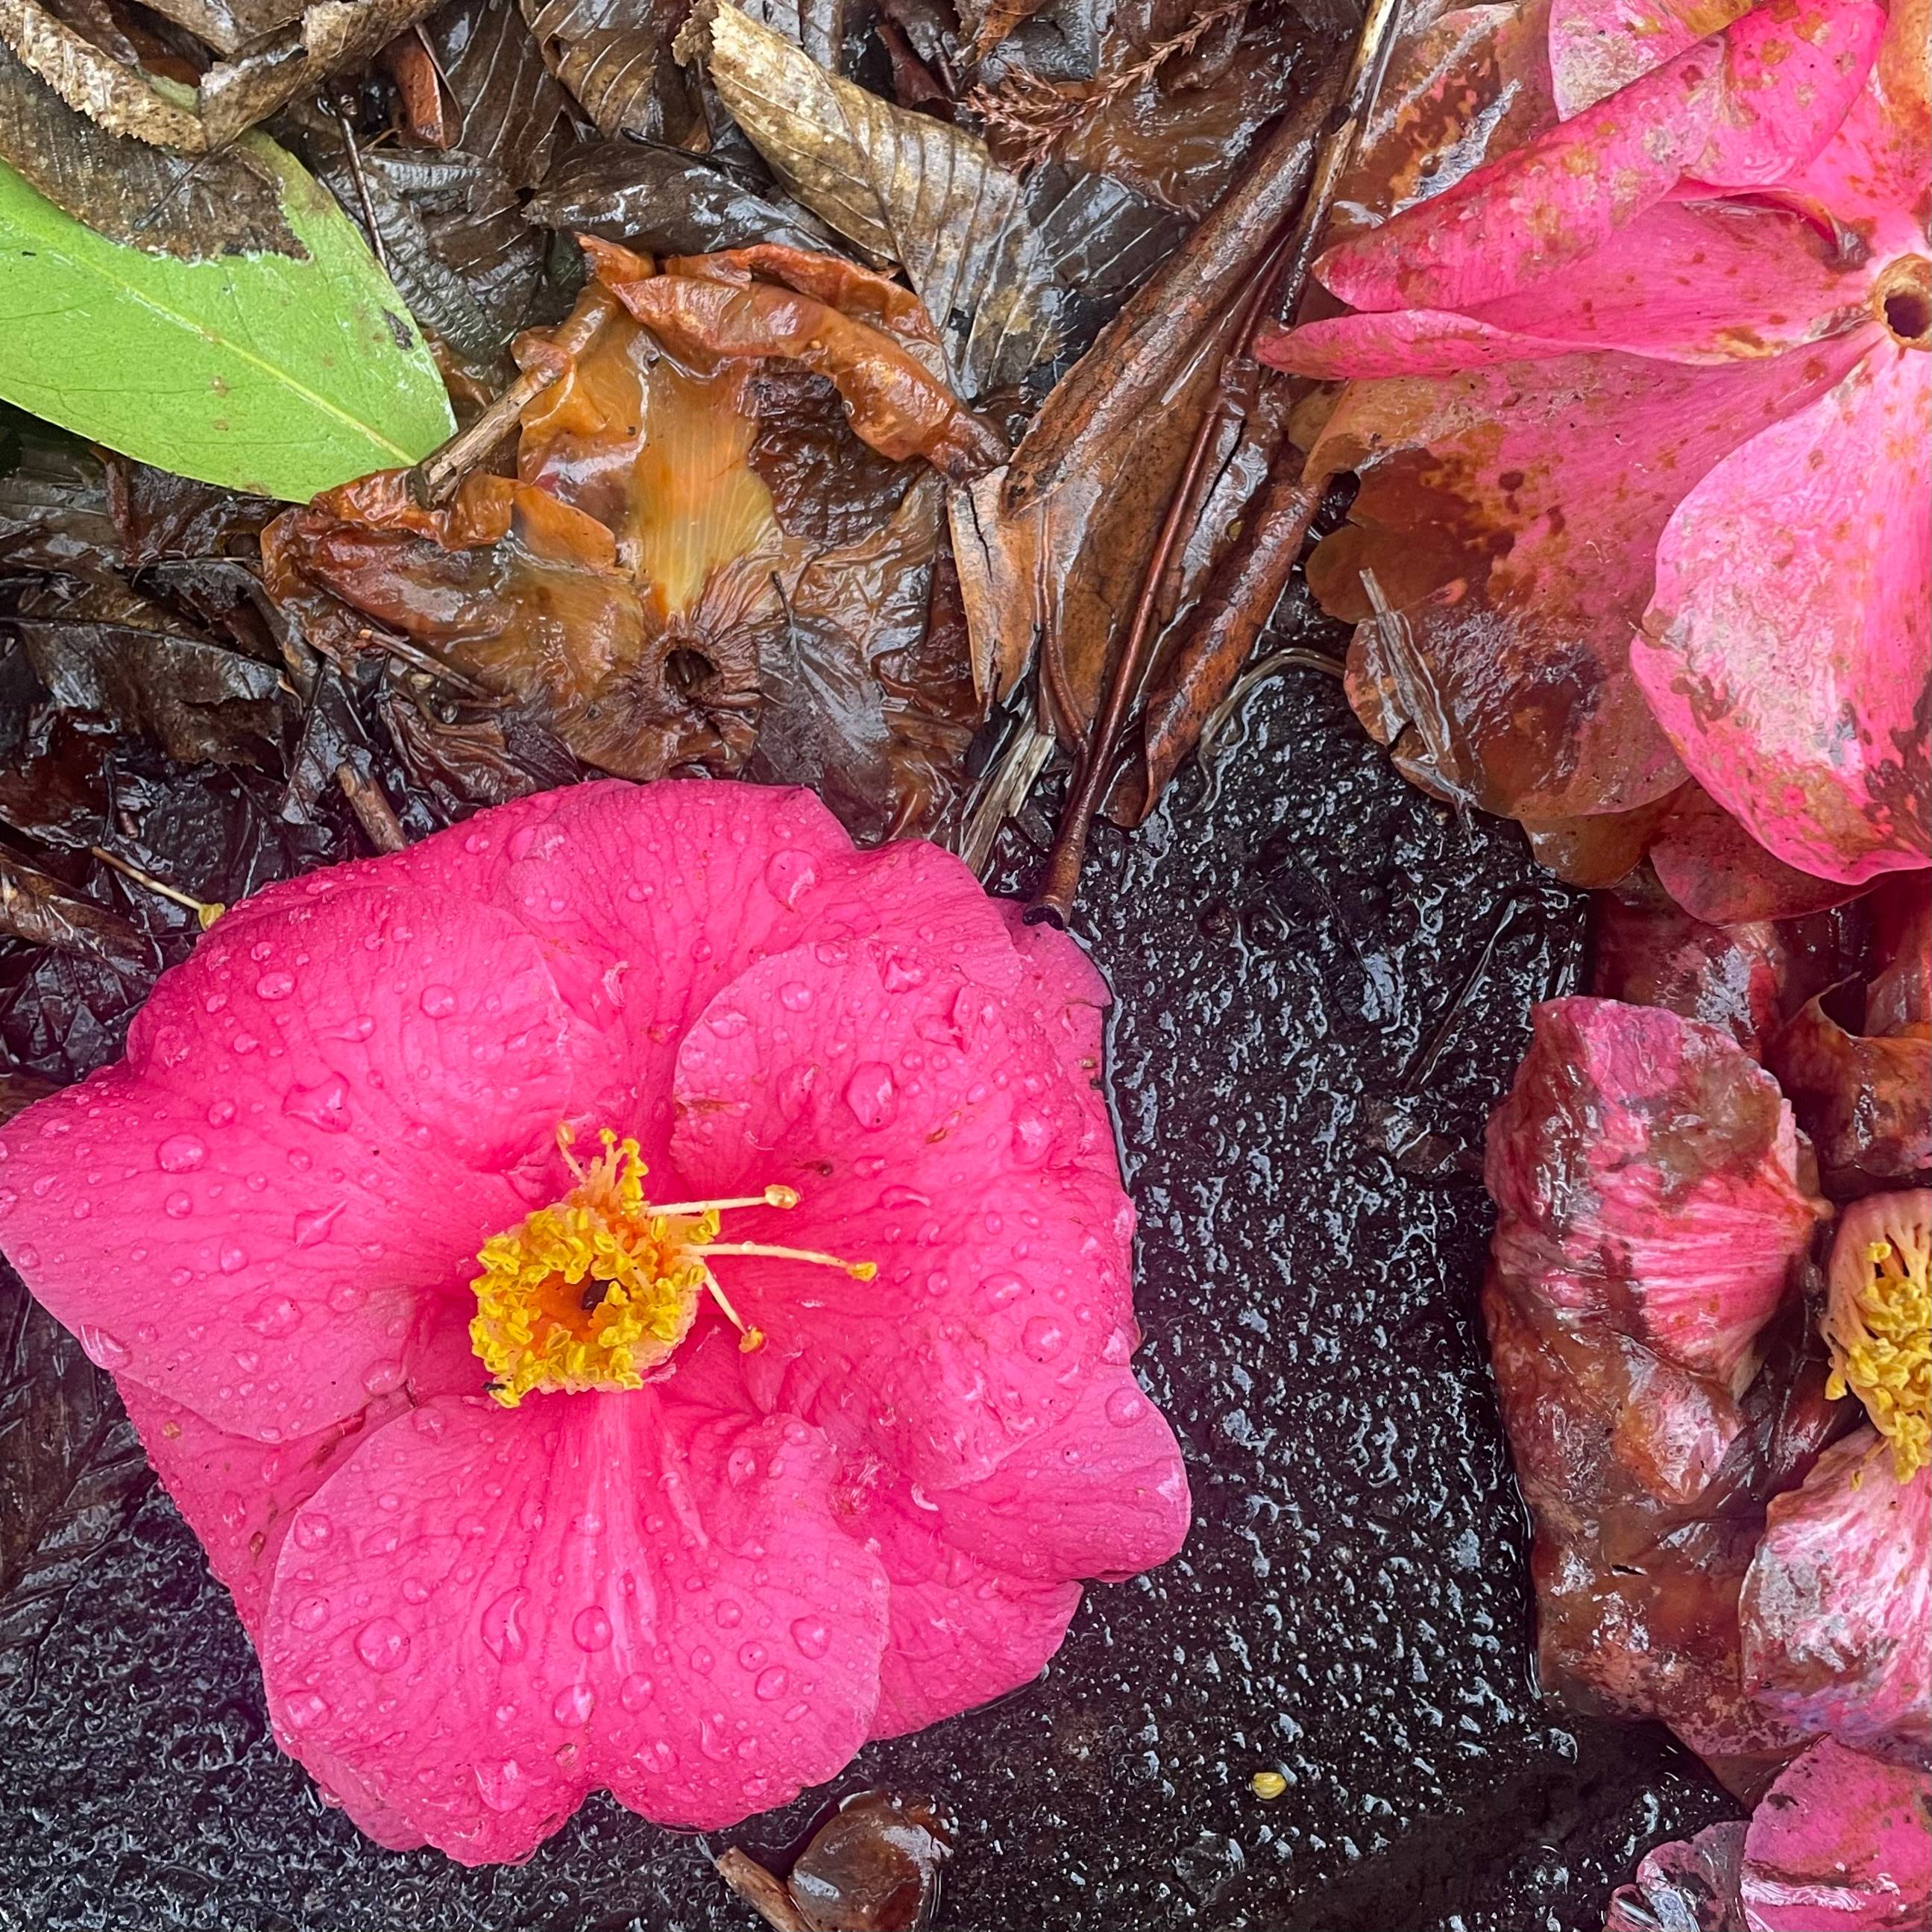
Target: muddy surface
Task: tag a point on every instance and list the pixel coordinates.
(1322, 978)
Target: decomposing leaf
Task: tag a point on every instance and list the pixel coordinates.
(509, 107)
(35, 907)
(195, 207)
(71, 1468)
(54, 510)
(119, 98)
(103, 649)
(663, 201)
(159, 516)
(269, 374)
(615, 57)
(904, 188)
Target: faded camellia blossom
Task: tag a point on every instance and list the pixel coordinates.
(630, 1293)
(1641, 408)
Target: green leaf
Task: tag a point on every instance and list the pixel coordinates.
(278, 374)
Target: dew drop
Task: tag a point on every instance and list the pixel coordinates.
(178, 1206)
(504, 1635)
(104, 1350)
(438, 1002)
(812, 1637)
(311, 1530)
(383, 1378)
(232, 1259)
(753, 1656)
(325, 1105)
(999, 1289)
(1043, 1338)
(591, 1628)
(313, 1224)
(573, 1707)
(277, 1316)
(870, 1095)
(789, 876)
(180, 1153)
(503, 1785)
(1033, 1137)
(772, 1684)
(1125, 1407)
(727, 1022)
(795, 996)
(302, 1710)
(730, 1613)
(311, 1614)
(634, 1693)
(276, 985)
(221, 1113)
(703, 1662)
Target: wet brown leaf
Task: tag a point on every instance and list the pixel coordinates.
(35, 907)
(54, 510)
(509, 107)
(615, 57)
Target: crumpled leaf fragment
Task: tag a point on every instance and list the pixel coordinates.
(37, 907)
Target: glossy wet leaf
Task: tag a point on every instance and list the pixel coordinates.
(274, 374)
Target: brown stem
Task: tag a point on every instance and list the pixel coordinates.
(1287, 259)
(757, 1887)
(374, 812)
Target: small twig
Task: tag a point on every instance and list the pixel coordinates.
(206, 911)
(1423, 1064)
(1286, 266)
(374, 812)
(356, 174)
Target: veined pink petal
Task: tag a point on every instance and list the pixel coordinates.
(485, 1614)
(1597, 47)
(1645, 1167)
(1740, 109)
(1788, 651)
(932, 1135)
(962, 1633)
(1840, 1845)
(1837, 1611)
(1510, 517)
(319, 1118)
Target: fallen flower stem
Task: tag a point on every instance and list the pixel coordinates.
(1286, 266)
(205, 911)
(374, 812)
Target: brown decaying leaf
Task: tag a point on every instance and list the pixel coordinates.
(510, 109)
(615, 57)
(1056, 556)
(894, 403)
(35, 907)
(192, 208)
(902, 187)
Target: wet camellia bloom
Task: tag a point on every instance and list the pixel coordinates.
(1641, 408)
(631, 1292)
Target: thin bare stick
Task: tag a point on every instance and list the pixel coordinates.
(355, 174)
(374, 812)
(1286, 266)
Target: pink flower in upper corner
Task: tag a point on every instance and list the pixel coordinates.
(1840, 1843)
(790, 1398)
(1641, 411)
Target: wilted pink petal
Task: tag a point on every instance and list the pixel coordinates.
(1597, 47)
(1837, 1611)
(1717, 872)
(1788, 650)
(1739, 110)
(1684, 1887)
(1840, 1845)
(1646, 1165)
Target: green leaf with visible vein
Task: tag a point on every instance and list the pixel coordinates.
(279, 374)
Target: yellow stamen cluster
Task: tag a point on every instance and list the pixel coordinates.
(1881, 1344)
(598, 1289)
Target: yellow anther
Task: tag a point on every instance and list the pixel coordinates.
(597, 1290)
(1879, 1326)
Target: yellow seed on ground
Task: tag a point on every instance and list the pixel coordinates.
(1268, 1784)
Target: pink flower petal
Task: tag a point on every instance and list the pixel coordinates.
(1644, 1166)
(484, 1615)
(1597, 47)
(1717, 872)
(1786, 652)
(1509, 516)
(940, 1138)
(1840, 1845)
(1837, 1608)
(319, 1118)
(962, 1633)
(1742, 109)
(1683, 1886)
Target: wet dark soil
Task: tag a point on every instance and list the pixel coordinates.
(1322, 979)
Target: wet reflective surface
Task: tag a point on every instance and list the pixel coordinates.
(1299, 1112)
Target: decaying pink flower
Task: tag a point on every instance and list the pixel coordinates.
(1839, 1844)
(1641, 410)
(790, 1396)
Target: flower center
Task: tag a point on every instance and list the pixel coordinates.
(1882, 1347)
(597, 1290)
(1901, 298)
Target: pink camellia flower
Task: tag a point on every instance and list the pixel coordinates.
(1641, 408)
(630, 1292)
(1839, 1844)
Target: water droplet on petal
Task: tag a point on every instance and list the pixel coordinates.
(727, 1022)
(275, 986)
(302, 1710)
(1125, 1407)
(325, 1105)
(179, 1154)
(179, 1205)
(504, 1635)
(232, 1259)
(104, 1350)
(382, 1644)
(772, 1684)
(634, 1693)
(1043, 1338)
(1033, 1137)
(870, 1096)
(439, 1002)
(313, 1224)
(277, 1316)
(812, 1637)
(573, 1707)
(789, 876)
(503, 1786)
(591, 1628)
(311, 1531)
(795, 996)
(383, 1378)
(221, 1113)
(311, 1614)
